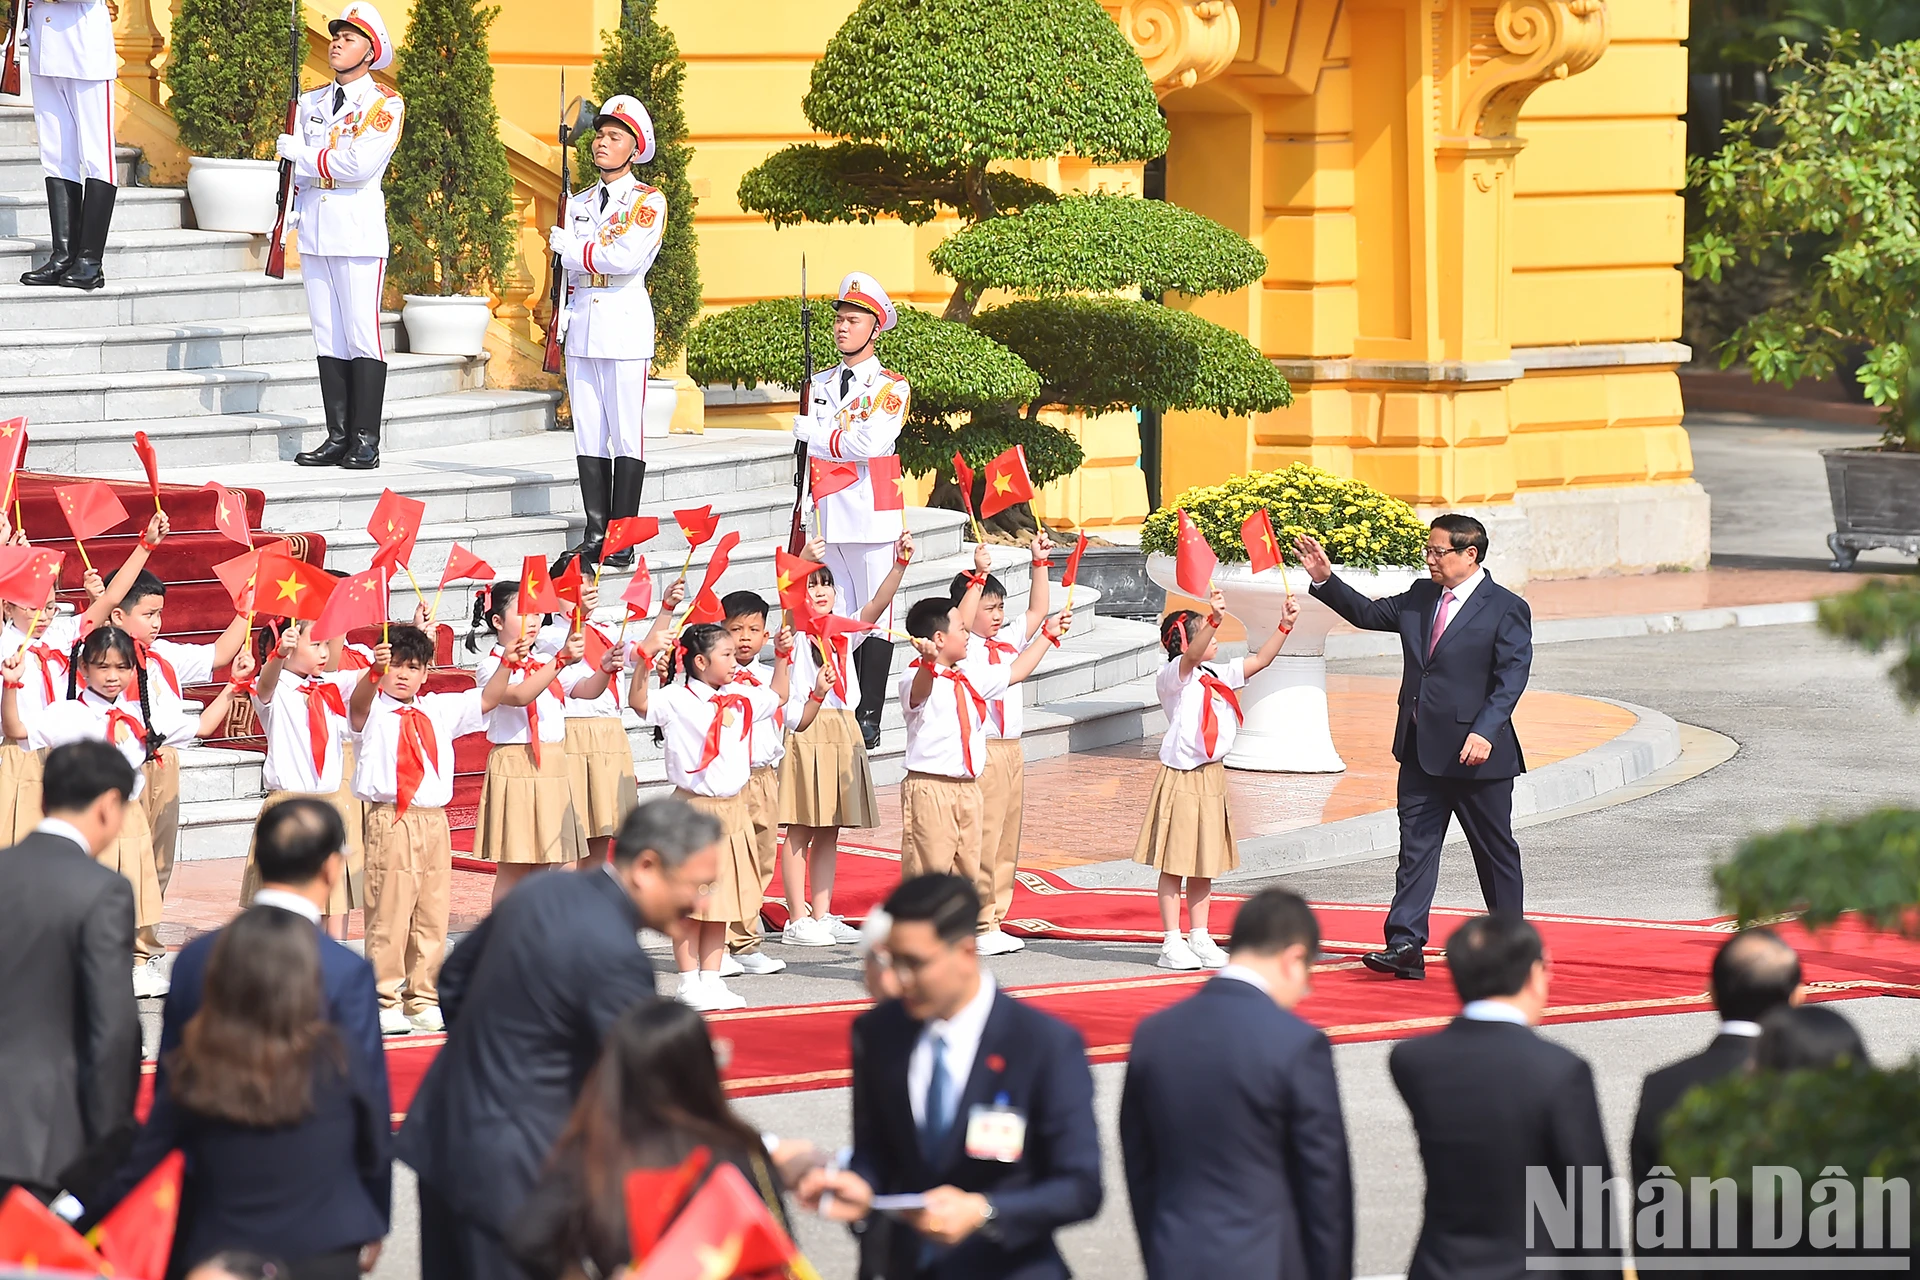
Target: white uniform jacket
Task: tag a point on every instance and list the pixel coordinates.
(71, 38)
(338, 204)
(866, 424)
(609, 315)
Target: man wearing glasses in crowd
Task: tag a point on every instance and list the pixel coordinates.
(1468, 645)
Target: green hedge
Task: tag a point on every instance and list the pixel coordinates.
(928, 447)
(229, 75)
(860, 182)
(1361, 527)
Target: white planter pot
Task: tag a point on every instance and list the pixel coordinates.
(663, 397)
(1285, 729)
(451, 326)
(233, 195)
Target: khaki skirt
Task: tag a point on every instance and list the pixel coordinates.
(351, 891)
(736, 885)
(526, 811)
(1187, 832)
(825, 780)
(600, 774)
(20, 774)
(132, 856)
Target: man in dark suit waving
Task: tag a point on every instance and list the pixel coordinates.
(1468, 645)
(976, 1103)
(1230, 1120)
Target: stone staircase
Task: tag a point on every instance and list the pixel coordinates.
(190, 343)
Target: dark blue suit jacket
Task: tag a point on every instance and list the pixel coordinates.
(1470, 683)
(1042, 1070)
(1235, 1150)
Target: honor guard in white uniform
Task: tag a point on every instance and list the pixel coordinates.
(854, 411)
(347, 132)
(73, 64)
(609, 237)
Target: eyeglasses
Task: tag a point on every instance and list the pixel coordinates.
(1434, 553)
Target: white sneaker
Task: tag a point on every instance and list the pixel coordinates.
(394, 1022)
(1207, 949)
(998, 942)
(428, 1019)
(729, 966)
(1176, 954)
(807, 932)
(150, 979)
(842, 931)
(708, 994)
(755, 962)
(689, 990)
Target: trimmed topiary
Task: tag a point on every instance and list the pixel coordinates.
(858, 182)
(1361, 527)
(229, 76)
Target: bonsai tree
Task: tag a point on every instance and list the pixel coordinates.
(229, 76)
(1823, 184)
(640, 57)
(925, 96)
(1361, 527)
(449, 193)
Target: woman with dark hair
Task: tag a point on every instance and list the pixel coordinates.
(1807, 1037)
(283, 1156)
(651, 1099)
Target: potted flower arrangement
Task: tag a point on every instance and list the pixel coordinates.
(228, 76)
(1376, 543)
(450, 195)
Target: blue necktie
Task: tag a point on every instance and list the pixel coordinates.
(937, 1115)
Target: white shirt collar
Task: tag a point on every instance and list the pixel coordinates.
(56, 827)
(970, 1021)
(1465, 589)
(287, 901)
(620, 185)
(358, 91)
(1493, 1011)
(1739, 1027)
(863, 370)
(1240, 973)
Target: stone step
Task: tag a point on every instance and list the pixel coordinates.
(268, 388)
(154, 347)
(24, 213)
(20, 166)
(222, 295)
(132, 254)
(16, 122)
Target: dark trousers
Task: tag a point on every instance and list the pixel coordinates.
(453, 1247)
(1485, 810)
(341, 1264)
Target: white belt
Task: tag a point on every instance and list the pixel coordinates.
(599, 280)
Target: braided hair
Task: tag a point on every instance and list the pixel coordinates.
(96, 645)
(488, 602)
(1176, 631)
(271, 629)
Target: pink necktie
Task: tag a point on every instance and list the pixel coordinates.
(1439, 621)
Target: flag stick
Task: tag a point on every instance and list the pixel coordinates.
(19, 521)
(417, 593)
(81, 547)
(433, 610)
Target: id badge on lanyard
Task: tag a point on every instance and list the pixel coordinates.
(997, 1133)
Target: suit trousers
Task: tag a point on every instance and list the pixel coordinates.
(453, 1247)
(343, 301)
(74, 119)
(1426, 803)
(609, 399)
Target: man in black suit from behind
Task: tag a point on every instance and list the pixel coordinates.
(528, 998)
(69, 1028)
(1467, 646)
(976, 1100)
(1230, 1123)
(1499, 1113)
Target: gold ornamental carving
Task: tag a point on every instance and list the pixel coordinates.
(1181, 42)
(1532, 42)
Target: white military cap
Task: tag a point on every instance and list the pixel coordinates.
(625, 109)
(365, 19)
(863, 291)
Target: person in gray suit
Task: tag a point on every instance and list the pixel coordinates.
(70, 1055)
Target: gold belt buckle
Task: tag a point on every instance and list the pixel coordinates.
(326, 184)
(596, 281)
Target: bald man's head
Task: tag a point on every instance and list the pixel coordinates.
(1754, 973)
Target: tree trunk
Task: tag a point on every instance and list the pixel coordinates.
(980, 207)
(1016, 522)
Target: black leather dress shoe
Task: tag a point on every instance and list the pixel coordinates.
(1402, 960)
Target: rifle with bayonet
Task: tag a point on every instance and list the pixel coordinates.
(797, 534)
(277, 247)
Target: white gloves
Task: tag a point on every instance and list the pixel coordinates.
(287, 147)
(559, 240)
(803, 427)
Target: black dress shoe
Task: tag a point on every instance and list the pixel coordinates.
(1402, 959)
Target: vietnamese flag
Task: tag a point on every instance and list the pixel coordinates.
(240, 575)
(13, 452)
(229, 513)
(638, 597)
(1072, 572)
(291, 588)
(536, 589)
(1263, 549)
(35, 1238)
(136, 1237)
(889, 486)
(1007, 483)
(151, 461)
(697, 525)
(824, 479)
(462, 563)
(1193, 561)
(629, 531)
(91, 509)
(963, 476)
(27, 575)
(394, 526)
(359, 601)
(725, 1230)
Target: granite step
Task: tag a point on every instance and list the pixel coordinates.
(134, 253)
(24, 213)
(150, 348)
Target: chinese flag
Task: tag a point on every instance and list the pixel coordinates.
(629, 531)
(654, 1196)
(889, 486)
(462, 563)
(567, 585)
(1193, 561)
(229, 513)
(1263, 549)
(91, 509)
(790, 580)
(827, 478)
(697, 524)
(151, 461)
(137, 1236)
(1072, 573)
(35, 1238)
(831, 626)
(27, 575)
(638, 597)
(706, 608)
(963, 476)
(1007, 483)
(717, 565)
(725, 1230)
(395, 525)
(359, 601)
(536, 588)
(291, 588)
(13, 451)
(240, 574)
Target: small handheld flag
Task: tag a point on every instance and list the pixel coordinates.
(1194, 561)
(151, 461)
(359, 601)
(91, 509)
(291, 588)
(1071, 574)
(827, 478)
(1007, 483)
(889, 485)
(229, 513)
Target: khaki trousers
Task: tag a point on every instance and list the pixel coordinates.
(160, 799)
(940, 820)
(1003, 786)
(763, 801)
(409, 894)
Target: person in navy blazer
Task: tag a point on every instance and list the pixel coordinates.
(1230, 1125)
(1467, 643)
(975, 1100)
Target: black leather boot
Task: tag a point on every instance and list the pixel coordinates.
(368, 379)
(874, 661)
(63, 215)
(96, 217)
(336, 400)
(628, 475)
(596, 496)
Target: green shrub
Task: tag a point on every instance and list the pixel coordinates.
(1361, 527)
(229, 74)
(1867, 1122)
